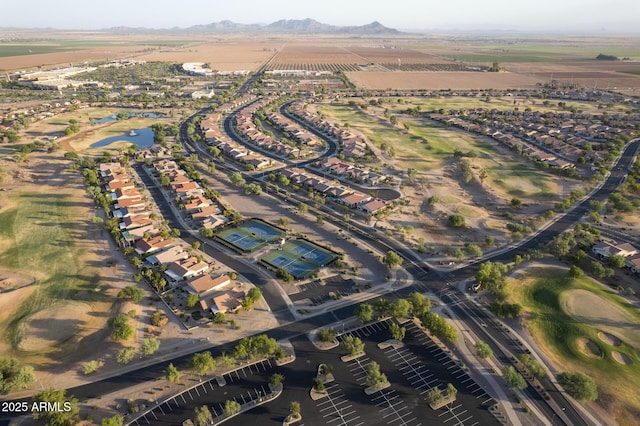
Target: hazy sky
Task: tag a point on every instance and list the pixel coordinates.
(567, 15)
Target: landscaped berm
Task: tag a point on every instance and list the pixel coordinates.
(250, 236)
(584, 326)
(300, 258)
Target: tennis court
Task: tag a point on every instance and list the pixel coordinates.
(250, 236)
(300, 258)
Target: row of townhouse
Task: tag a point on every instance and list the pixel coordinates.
(336, 192)
(130, 207)
(202, 210)
(605, 249)
(292, 128)
(245, 125)
(505, 136)
(343, 169)
(12, 115)
(214, 136)
(351, 145)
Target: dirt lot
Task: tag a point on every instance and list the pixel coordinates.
(227, 55)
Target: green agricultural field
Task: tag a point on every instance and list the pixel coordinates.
(570, 320)
(40, 235)
(30, 49)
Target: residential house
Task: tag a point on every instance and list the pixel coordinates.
(169, 255)
(206, 284)
(152, 245)
(183, 269)
(605, 249)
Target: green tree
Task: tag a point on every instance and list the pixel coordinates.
(516, 202)
(397, 332)
(512, 378)
(172, 373)
(254, 294)
(616, 261)
(202, 363)
(294, 409)
(579, 385)
(562, 244)
(202, 416)
(159, 318)
(117, 420)
(364, 313)
(92, 366)
(303, 208)
(231, 408)
(125, 355)
(483, 350)
(326, 335)
(575, 272)
(400, 308)
(491, 275)
(192, 300)
(131, 292)
(149, 346)
(456, 220)
(392, 259)
(13, 376)
(352, 345)
(237, 179)
(374, 377)
(276, 379)
(65, 416)
(122, 330)
(420, 305)
(439, 327)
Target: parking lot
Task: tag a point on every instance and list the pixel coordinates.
(413, 370)
(331, 288)
(243, 385)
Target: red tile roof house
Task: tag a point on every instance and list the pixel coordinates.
(206, 284)
(355, 199)
(373, 207)
(196, 203)
(120, 184)
(605, 249)
(129, 211)
(213, 221)
(167, 256)
(204, 212)
(223, 302)
(153, 245)
(186, 268)
(129, 202)
(132, 222)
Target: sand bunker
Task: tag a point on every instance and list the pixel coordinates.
(588, 347)
(609, 339)
(589, 308)
(53, 325)
(621, 358)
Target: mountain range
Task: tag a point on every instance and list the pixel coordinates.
(286, 26)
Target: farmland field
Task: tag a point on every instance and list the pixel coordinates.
(440, 80)
(583, 326)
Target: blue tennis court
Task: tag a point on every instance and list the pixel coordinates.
(310, 253)
(250, 236)
(300, 258)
